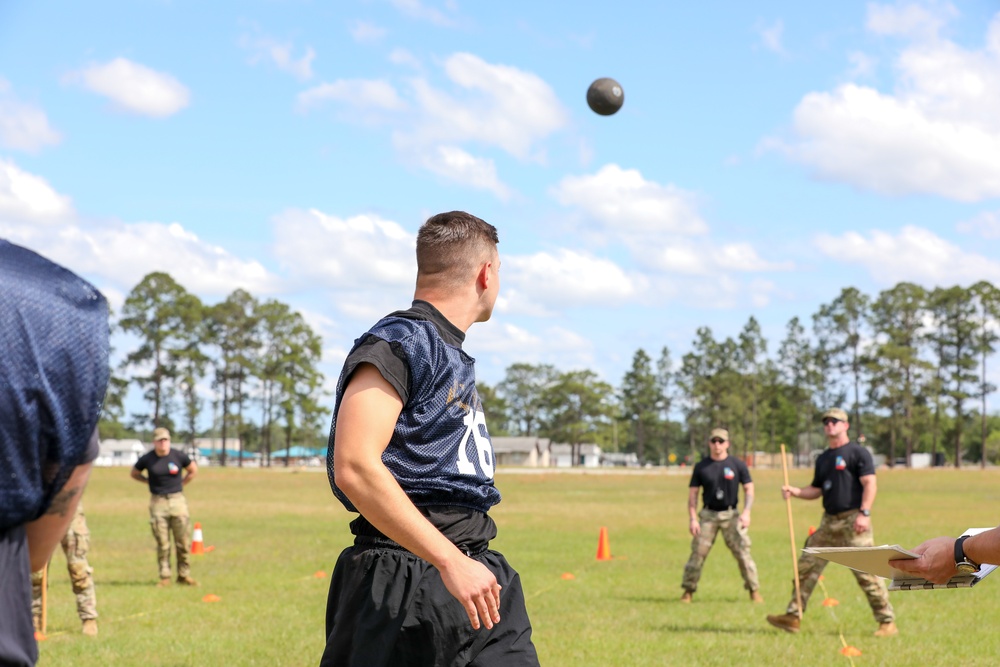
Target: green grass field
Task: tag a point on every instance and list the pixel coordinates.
(273, 531)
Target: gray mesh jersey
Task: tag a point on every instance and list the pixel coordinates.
(440, 451)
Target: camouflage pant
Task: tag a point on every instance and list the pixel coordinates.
(168, 515)
(75, 544)
(736, 538)
(837, 530)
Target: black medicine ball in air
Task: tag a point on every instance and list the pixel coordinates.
(605, 96)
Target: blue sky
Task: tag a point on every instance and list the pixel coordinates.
(767, 155)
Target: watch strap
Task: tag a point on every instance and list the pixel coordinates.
(960, 557)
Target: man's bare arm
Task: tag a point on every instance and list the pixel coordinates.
(365, 423)
(45, 532)
(191, 470)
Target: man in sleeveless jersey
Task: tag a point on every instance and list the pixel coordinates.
(720, 475)
(409, 451)
(53, 374)
(845, 478)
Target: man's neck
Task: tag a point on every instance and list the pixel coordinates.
(839, 441)
(457, 313)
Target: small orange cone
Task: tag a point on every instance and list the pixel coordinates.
(197, 541)
(603, 548)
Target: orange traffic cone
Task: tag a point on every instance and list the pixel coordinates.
(197, 541)
(603, 548)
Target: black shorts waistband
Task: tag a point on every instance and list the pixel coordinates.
(469, 530)
(724, 509)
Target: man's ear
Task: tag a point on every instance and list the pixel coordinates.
(484, 276)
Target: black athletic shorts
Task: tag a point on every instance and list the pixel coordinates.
(389, 608)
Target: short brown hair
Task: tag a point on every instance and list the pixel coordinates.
(450, 246)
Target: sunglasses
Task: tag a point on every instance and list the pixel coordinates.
(831, 420)
(716, 441)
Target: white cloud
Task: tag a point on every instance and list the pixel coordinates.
(30, 198)
(502, 342)
(494, 105)
(877, 142)
(417, 10)
(135, 88)
(681, 256)
(124, 253)
(365, 32)
(914, 254)
(23, 127)
(908, 19)
(279, 54)
(937, 133)
(34, 215)
(358, 93)
(354, 253)
(985, 225)
(626, 203)
(400, 56)
(555, 280)
(486, 105)
(862, 65)
(456, 165)
(770, 36)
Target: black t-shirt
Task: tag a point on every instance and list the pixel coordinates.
(721, 481)
(838, 476)
(164, 472)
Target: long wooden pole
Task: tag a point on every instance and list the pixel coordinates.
(791, 534)
(45, 594)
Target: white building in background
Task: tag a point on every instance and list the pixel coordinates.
(120, 452)
(589, 456)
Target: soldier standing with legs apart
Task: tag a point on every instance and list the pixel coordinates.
(845, 478)
(168, 509)
(720, 475)
(76, 545)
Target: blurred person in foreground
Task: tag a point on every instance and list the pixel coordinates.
(54, 372)
(944, 557)
(409, 451)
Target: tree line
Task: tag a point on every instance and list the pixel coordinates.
(259, 357)
(909, 364)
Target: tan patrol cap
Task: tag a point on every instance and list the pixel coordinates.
(161, 434)
(719, 433)
(836, 413)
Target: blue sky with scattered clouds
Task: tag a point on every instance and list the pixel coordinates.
(767, 155)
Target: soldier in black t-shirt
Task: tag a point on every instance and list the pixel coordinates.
(720, 475)
(845, 478)
(168, 508)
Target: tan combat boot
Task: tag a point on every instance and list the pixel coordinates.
(164, 581)
(90, 627)
(686, 598)
(186, 581)
(786, 622)
(887, 630)
(756, 597)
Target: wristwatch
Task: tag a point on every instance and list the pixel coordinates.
(866, 512)
(962, 562)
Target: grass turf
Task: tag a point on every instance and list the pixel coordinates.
(274, 531)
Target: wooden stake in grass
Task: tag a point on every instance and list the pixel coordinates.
(791, 535)
(45, 595)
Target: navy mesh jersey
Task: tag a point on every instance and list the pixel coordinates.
(53, 374)
(440, 451)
